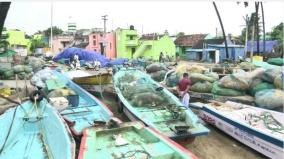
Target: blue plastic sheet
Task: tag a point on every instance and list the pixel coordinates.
(88, 56)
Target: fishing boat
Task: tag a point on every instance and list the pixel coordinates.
(34, 129)
(129, 140)
(141, 98)
(87, 109)
(258, 128)
(86, 78)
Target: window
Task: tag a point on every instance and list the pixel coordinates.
(94, 36)
(94, 42)
(131, 38)
(110, 46)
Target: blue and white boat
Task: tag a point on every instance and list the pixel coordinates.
(35, 130)
(88, 110)
(258, 128)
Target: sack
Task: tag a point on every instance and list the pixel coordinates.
(172, 80)
(28, 69)
(63, 92)
(203, 87)
(260, 87)
(213, 75)
(255, 82)
(217, 89)
(185, 68)
(128, 90)
(247, 65)
(8, 74)
(270, 74)
(19, 68)
(279, 81)
(270, 98)
(237, 81)
(276, 61)
(197, 77)
(158, 76)
(41, 76)
(154, 67)
(22, 75)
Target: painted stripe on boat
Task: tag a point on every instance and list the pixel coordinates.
(265, 137)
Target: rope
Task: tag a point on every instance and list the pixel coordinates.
(124, 155)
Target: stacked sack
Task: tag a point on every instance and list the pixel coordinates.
(268, 90)
(203, 83)
(236, 84)
(157, 71)
(35, 63)
(21, 70)
(41, 76)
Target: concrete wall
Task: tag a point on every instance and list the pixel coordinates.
(155, 47)
(125, 47)
(59, 41)
(96, 39)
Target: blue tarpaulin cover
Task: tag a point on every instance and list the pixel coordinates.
(89, 56)
(269, 44)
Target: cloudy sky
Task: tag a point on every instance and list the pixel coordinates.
(147, 16)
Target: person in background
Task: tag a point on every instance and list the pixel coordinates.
(161, 58)
(182, 88)
(177, 59)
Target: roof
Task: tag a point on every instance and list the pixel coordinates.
(189, 40)
(151, 37)
(229, 46)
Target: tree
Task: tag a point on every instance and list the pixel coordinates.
(55, 31)
(4, 8)
(37, 43)
(277, 34)
(223, 30)
(180, 34)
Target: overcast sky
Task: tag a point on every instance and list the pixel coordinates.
(153, 16)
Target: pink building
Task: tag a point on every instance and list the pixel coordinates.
(60, 42)
(96, 43)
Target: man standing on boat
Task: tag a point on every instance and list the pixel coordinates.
(182, 89)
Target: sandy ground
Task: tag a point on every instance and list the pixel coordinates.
(216, 145)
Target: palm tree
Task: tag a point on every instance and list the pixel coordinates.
(256, 22)
(4, 7)
(223, 30)
(263, 26)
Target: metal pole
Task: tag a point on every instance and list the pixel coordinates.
(263, 27)
(51, 17)
(104, 40)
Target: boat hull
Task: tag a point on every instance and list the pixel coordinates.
(89, 109)
(36, 134)
(96, 143)
(103, 79)
(263, 143)
(164, 122)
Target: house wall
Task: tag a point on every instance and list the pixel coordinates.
(164, 44)
(95, 40)
(58, 41)
(18, 42)
(234, 52)
(125, 47)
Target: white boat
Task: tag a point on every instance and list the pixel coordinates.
(258, 128)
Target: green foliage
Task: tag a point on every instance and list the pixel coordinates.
(55, 31)
(250, 26)
(277, 34)
(180, 34)
(36, 43)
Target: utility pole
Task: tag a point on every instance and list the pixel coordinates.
(246, 38)
(104, 18)
(51, 17)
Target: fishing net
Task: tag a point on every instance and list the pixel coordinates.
(269, 98)
(129, 90)
(202, 87)
(247, 65)
(8, 74)
(261, 86)
(279, 81)
(147, 99)
(41, 76)
(218, 90)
